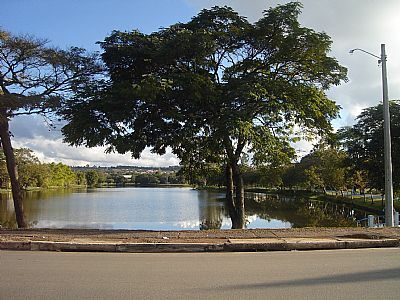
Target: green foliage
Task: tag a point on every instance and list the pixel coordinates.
(204, 174)
(61, 175)
(176, 178)
(360, 180)
(163, 178)
(36, 78)
(210, 87)
(4, 178)
(325, 168)
(33, 173)
(92, 178)
(116, 178)
(146, 179)
(271, 176)
(30, 172)
(293, 175)
(364, 144)
(80, 178)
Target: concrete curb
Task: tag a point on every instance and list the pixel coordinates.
(310, 244)
(235, 245)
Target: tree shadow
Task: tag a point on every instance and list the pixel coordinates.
(370, 276)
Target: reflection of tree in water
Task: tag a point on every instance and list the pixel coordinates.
(213, 218)
(212, 211)
(302, 212)
(7, 215)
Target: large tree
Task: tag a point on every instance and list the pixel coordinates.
(364, 144)
(211, 89)
(35, 79)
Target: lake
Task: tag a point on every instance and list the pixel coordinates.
(168, 209)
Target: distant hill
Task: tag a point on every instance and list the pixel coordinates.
(128, 168)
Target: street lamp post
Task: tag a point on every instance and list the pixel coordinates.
(389, 221)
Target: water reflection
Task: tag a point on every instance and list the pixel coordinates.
(212, 211)
(169, 209)
(302, 212)
(7, 215)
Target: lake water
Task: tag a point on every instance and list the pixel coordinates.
(168, 209)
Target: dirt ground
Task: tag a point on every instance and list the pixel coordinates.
(206, 236)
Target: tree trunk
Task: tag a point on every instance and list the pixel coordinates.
(239, 199)
(234, 182)
(12, 170)
(229, 194)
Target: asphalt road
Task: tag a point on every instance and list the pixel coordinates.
(337, 274)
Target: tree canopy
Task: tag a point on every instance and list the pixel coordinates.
(35, 78)
(364, 144)
(211, 89)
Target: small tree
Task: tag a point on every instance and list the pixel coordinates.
(26, 162)
(80, 178)
(325, 167)
(146, 179)
(360, 181)
(35, 79)
(92, 178)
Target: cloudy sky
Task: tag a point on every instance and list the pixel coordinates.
(351, 24)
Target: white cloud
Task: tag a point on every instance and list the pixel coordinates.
(351, 24)
(54, 150)
(34, 132)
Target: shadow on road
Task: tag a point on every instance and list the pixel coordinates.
(359, 277)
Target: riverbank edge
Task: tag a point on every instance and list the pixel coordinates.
(77, 187)
(125, 241)
(346, 200)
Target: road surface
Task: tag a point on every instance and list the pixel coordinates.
(338, 274)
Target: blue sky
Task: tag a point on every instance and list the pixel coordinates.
(350, 23)
(84, 22)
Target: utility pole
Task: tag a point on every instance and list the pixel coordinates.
(389, 219)
(389, 222)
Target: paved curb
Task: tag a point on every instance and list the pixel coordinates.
(290, 244)
(234, 245)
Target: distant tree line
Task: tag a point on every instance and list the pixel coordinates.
(351, 159)
(33, 173)
(118, 178)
